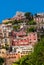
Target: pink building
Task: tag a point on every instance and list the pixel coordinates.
(21, 33)
(26, 40)
(24, 45)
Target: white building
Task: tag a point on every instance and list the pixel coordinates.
(39, 18)
(23, 49)
(19, 16)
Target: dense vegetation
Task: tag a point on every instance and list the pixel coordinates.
(1, 61)
(29, 16)
(32, 22)
(16, 27)
(31, 29)
(36, 58)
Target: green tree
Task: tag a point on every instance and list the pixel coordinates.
(31, 29)
(1, 61)
(6, 47)
(16, 27)
(14, 22)
(29, 16)
(32, 22)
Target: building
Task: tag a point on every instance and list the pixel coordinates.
(24, 44)
(18, 34)
(6, 20)
(5, 33)
(2, 53)
(19, 16)
(39, 18)
(20, 47)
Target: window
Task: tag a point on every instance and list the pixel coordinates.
(4, 34)
(14, 50)
(30, 42)
(5, 40)
(0, 33)
(2, 52)
(26, 52)
(23, 52)
(18, 51)
(34, 34)
(21, 55)
(10, 34)
(30, 39)
(34, 39)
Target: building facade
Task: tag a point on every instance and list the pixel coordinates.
(24, 44)
(39, 18)
(5, 33)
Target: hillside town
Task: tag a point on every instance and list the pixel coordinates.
(19, 35)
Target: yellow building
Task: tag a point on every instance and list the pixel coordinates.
(2, 53)
(6, 20)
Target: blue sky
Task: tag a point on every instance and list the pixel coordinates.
(8, 8)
